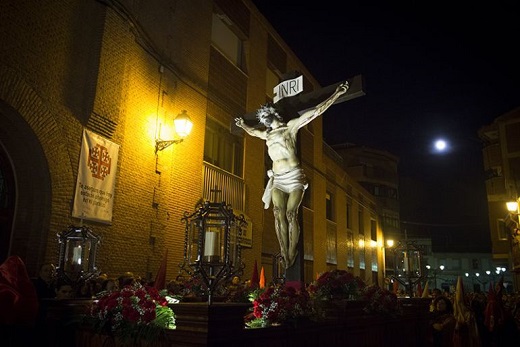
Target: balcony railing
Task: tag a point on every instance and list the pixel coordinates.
(220, 185)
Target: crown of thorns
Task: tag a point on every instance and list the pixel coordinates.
(266, 110)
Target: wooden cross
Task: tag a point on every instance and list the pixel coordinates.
(215, 192)
(293, 106)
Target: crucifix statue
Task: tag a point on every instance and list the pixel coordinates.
(279, 128)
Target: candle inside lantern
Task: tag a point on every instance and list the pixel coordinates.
(211, 245)
(405, 261)
(76, 255)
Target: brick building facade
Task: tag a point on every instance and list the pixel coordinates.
(123, 70)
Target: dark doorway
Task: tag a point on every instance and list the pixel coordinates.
(7, 198)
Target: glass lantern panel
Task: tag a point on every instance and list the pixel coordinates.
(193, 242)
(408, 262)
(77, 253)
(233, 243)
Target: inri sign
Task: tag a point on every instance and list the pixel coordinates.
(288, 88)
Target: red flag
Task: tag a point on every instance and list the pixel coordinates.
(419, 290)
(262, 278)
(489, 312)
(395, 287)
(255, 281)
(160, 278)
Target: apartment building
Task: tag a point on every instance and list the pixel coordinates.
(501, 157)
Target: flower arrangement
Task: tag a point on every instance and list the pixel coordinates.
(278, 304)
(331, 296)
(380, 301)
(336, 284)
(133, 312)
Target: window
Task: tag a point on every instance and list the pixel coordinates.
(223, 149)
(373, 230)
(374, 260)
(329, 206)
(225, 40)
(349, 215)
(361, 244)
(350, 249)
(331, 245)
(456, 264)
(271, 81)
(502, 229)
(361, 224)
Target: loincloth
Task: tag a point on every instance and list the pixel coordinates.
(286, 182)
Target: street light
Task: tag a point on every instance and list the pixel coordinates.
(389, 260)
(434, 272)
(183, 125)
(514, 240)
(512, 207)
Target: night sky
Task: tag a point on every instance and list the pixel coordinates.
(430, 70)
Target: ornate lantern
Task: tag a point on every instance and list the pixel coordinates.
(77, 259)
(212, 249)
(407, 264)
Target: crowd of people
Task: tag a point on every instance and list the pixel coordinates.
(49, 286)
(492, 319)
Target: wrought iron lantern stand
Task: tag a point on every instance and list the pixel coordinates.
(407, 265)
(77, 257)
(212, 249)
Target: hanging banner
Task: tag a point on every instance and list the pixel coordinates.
(95, 186)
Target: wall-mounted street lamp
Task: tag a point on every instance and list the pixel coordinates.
(183, 125)
(512, 207)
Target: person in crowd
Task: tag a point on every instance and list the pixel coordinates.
(477, 306)
(87, 289)
(126, 279)
(442, 322)
(18, 304)
(498, 320)
(99, 283)
(45, 283)
(64, 291)
(109, 285)
(436, 292)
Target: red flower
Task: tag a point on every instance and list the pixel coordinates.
(381, 301)
(276, 305)
(133, 305)
(336, 284)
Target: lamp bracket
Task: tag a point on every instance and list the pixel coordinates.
(163, 144)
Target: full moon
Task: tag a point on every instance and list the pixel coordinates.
(440, 145)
